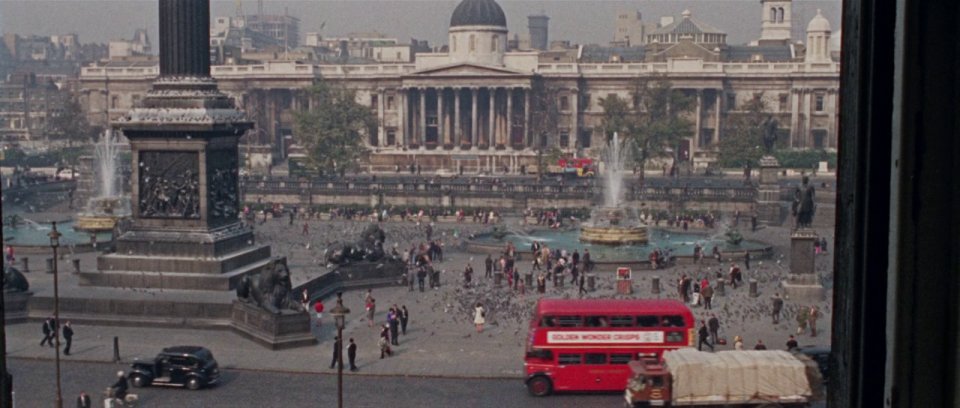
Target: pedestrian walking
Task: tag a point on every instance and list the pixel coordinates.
(371, 309)
(704, 335)
(48, 330)
(393, 321)
(83, 400)
(318, 309)
(467, 275)
(404, 318)
(746, 260)
(737, 343)
(352, 354)
(479, 317)
(760, 345)
(714, 325)
(488, 263)
(582, 281)
(706, 292)
(812, 320)
(336, 353)
(306, 229)
(384, 342)
(68, 336)
(802, 320)
(777, 307)
(541, 283)
(421, 277)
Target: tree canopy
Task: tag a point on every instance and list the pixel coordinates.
(653, 123)
(332, 131)
(71, 123)
(742, 139)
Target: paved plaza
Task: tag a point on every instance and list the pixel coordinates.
(441, 340)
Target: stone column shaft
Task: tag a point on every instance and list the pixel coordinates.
(508, 138)
(491, 136)
(422, 132)
(526, 118)
(184, 38)
(473, 117)
(456, 116)
(716, 119)
(441, 122)
(402, 117)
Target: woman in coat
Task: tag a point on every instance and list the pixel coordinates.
(479, 317)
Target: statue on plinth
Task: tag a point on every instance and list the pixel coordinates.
(14, 280)
(804, 206)
(368, 248)
(770, 126)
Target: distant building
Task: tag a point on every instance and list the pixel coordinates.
(27, 106)
(139, 45)
(630, 30)
(539, 26)
(467, 105)
(284, 29)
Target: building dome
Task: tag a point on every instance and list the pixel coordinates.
(478, 13)
(818, 24)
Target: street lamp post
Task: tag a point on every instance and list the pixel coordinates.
(339, 316)
(54, 244)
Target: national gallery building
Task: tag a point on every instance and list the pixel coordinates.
(472, 106)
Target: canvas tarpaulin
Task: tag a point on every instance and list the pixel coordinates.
(737, 376)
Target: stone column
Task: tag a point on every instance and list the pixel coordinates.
(456, 117)
(802, 282)
(491, 131)
(401, 116)
(831, 106)
(441, 121)
(509, 136)
(716, 120)
(474, 123)
(794, 116)
(422, 132)
(807, 110)
(575, 126)
(699, 123)
(381, 101)
(184, 38)
(526, 118)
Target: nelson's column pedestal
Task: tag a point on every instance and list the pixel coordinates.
(185, 232)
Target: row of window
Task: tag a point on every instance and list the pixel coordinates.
(494, 43)
(613, 321)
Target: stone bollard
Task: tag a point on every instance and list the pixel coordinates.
(528, 279)
(721, 288)
(26, 265)
(556, 279)
(591, 282)
(497, 279)
(754, 292)
(76, 266)
(49, 265)
(562, 280)
(656, 285)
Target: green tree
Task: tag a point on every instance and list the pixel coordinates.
(332, 132)
(654, 123)
(544, 119)
(742, 140)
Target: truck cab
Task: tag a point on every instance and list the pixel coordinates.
(649, 385)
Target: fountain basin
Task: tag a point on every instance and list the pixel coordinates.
(614, 235)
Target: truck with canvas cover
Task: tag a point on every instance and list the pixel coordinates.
(738, 378)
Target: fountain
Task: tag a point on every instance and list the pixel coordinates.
(108, 205)
(610, 224)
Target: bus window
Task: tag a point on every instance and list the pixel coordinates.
(568, 359)
(595, 358)
(548, 321)
(597, 321)
(621, 321)
(569, 321)
(674, 337)
(673, 321)
(648, 321)
(616, 358)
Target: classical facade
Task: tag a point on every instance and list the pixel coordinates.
(469, 108)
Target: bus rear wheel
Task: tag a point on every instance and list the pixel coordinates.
(539, 386)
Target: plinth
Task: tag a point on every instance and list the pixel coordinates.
(768, 206)
(185, 231)
(802, 282)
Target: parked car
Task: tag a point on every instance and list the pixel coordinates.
(819, 354)
(189, 366)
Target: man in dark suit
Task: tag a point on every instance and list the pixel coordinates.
(352, 354)
(49, 331)
(336, 353)
(68, 336)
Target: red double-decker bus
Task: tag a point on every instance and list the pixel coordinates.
(585, 345)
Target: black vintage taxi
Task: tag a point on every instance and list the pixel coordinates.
(192, 367)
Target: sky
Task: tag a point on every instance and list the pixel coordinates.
(580, 21)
